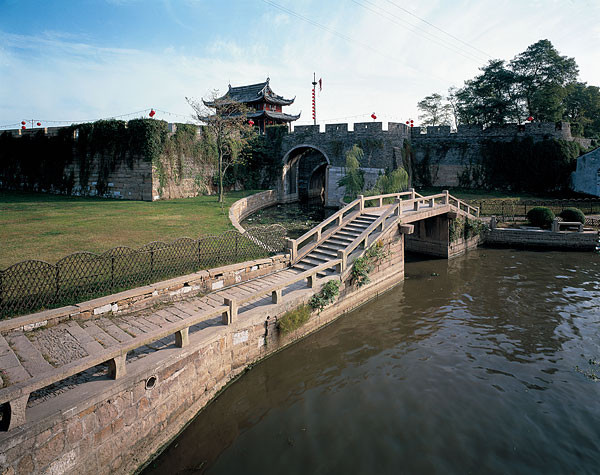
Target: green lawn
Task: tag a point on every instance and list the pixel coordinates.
(49, 227)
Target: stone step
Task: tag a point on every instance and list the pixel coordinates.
(324, 253)
(341, 241)
(303, 266)
(13, 371)
(353, 228)
(99, 335)
(316, 261)
(350, 234)
(29, 356)
(332, 247)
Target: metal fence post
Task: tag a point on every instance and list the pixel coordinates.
(56, 283)
(112, 272)
(152, 262)
(236, 245)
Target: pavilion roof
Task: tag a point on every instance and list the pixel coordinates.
(272, 115)
(260, 92)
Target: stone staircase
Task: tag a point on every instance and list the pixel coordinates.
(339, 240)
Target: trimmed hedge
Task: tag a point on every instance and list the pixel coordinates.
(540, 216)
(572, 215)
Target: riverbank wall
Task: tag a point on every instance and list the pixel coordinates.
(114, 426)
(541, 239)
(244, 207)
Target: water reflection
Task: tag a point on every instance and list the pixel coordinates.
(469, 370)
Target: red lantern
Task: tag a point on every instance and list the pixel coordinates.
(38, 124)
(411, 121)
(251, 122)
(530, 119)
(407, 122)
(23, 127)
(23, 122)
(412, 125)
(373, 116)
(152, 113)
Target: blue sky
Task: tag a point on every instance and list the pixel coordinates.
(90, 59)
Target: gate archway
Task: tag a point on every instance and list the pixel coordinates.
(305, 174)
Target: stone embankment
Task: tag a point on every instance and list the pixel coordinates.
(244, 207)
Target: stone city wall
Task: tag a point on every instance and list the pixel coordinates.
(448, 154)
(114, 426)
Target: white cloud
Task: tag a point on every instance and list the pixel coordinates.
(58, 75)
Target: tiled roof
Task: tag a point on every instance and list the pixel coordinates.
(272, 115)
(253, 93)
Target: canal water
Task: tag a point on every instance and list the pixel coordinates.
(488, 363)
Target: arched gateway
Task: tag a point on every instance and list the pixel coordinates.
(313, 161)
(304, 177)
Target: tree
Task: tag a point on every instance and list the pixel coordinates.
(541, 71)
(226, 121)
(435, 112)
(490, 98)
(582, 109)
(453, 102)
(354, 179)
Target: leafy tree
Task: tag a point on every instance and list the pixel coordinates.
(226, 121)
(541, 71)
(435, 112)
(354, 179)
(582, 109)
(490, 98)
(395, 181)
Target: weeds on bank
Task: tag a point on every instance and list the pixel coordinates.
(294, 319)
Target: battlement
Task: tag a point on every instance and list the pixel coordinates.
(362, 128)
(558, 130)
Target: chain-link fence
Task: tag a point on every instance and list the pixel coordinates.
(31, 285)
(511, 208)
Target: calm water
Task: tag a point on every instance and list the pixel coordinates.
(470, 371)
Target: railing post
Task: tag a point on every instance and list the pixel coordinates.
(18, 408)
(318, 235)
(311, 281)
(116, 367)
(341, 254)
(182, 338)
(447, 197)
(380, 202)
(292, 246)
(493, 222)
(399, 206)
(362, 202)
(555, 227)
(230, 315)
(276, 296)
(412, 193)
(432, 202)
(340, 219)
(416, 205)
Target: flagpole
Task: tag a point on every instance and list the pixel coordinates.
(314, 99)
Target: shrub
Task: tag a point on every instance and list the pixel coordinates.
(294, 319)
(572, 215)
(540, 216)
(327, 295)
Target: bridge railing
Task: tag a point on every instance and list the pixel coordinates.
(363, 238)
(17, 395)
(301, 246)
(308, 241)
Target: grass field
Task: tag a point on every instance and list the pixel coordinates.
(49, 227)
